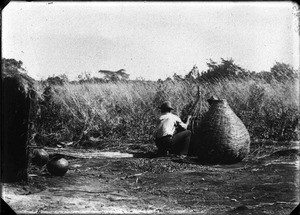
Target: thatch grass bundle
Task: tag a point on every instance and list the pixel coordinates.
(221, 136)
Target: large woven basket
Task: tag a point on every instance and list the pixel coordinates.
(221, 137)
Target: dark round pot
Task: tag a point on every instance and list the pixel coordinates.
(58, 166)
(39, 157)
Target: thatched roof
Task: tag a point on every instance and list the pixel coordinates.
(23, 79)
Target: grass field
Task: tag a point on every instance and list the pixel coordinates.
(127, 111)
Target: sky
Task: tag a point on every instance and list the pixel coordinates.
(151, 40)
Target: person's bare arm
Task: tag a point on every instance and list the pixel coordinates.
(185, 125)
(188, 120)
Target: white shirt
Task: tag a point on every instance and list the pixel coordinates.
(167, 125)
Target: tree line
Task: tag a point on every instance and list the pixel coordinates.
(225, 69)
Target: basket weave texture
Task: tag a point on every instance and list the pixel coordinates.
(221, 137)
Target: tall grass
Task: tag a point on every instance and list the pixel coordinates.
(128, 111)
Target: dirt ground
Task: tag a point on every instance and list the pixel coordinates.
(137, 182)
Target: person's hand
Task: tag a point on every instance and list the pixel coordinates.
(188, 119)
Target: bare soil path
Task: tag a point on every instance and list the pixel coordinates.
(104, 182)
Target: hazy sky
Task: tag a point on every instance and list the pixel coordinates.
(152, 40)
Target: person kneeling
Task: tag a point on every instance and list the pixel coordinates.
(171, 134)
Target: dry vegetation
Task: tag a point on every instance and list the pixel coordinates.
(126, 111)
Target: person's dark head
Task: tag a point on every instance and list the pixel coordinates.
(166, 107)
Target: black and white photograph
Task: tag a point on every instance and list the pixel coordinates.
(150, 107)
